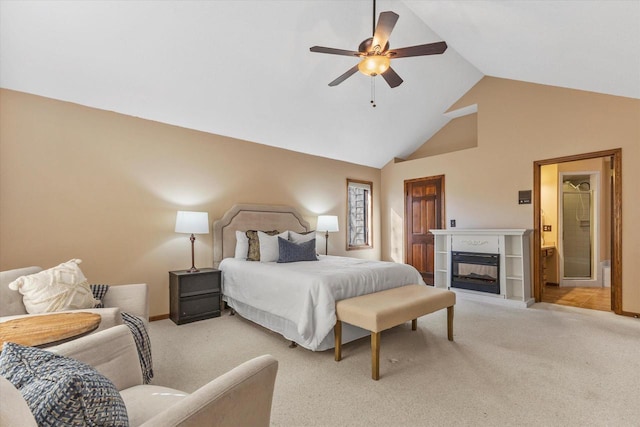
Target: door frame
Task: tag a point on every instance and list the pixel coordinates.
(616, 223)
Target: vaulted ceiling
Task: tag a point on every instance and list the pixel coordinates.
(243, 68)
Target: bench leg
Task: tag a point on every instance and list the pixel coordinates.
(414, 324)
(337, 334)
(450, 323)
(375, 355)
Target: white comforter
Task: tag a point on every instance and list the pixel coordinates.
(306, 292)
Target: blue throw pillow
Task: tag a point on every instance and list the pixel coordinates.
(293, 252)
(60, 390)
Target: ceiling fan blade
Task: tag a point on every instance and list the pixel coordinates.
(422, 49)
(345, 76)
(392, 78)
(321, 49)
(386, 22)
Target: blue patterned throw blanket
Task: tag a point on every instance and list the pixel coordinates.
(138, 330)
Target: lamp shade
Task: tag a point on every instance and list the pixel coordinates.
(192, 222)
(327, 223)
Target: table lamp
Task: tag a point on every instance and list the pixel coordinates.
(192, 223)
(327, 223)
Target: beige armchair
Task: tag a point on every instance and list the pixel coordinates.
(131, 299)
(240, 397)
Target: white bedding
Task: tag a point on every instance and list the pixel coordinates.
(305, 293)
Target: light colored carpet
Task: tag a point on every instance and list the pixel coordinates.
(545, 366)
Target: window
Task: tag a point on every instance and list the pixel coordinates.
(359, 207)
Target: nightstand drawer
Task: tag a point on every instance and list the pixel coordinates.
(204, 306)
(200, 283)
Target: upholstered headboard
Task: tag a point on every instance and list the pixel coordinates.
(245, 217)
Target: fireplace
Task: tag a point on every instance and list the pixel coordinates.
(475, 271)
(505, 253)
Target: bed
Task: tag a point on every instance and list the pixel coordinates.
(297, 299)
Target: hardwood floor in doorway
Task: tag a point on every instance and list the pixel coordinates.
(592, 298)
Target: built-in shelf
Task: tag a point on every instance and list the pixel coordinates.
(512, 246)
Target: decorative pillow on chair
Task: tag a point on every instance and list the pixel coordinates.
(254, 244)
(63, 287)
(269, 246)
(60, 390)
(293, 252)
(301, 237)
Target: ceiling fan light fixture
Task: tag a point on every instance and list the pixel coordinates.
(373, 65)
(375, 56)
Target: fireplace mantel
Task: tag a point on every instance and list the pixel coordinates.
(484, 231)
(513, 248)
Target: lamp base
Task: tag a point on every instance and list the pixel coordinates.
(193, 268)
(326, 243)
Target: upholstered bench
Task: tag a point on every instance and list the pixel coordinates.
(383, 310)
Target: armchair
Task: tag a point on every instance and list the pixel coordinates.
(240, 397)
(123, 298)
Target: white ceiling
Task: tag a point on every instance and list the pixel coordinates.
(243, 68)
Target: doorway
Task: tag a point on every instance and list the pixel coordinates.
(585, 260)
(424, 211)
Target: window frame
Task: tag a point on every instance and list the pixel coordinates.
(369, 215)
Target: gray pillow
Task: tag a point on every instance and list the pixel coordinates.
(301, 237)
(60, 390)
(293, 252)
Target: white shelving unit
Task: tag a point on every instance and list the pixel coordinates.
(442, 262)
(513, 247)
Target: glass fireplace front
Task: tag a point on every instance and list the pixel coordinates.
(475, 271)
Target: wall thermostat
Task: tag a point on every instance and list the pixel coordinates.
(524, 197)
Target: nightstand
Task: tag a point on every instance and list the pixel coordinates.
(194, 296)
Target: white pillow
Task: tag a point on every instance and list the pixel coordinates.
(298, 238)
(60, 288)
(269, 249)
(242, 245)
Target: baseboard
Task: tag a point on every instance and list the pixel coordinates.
(158, 317)
(630, 314)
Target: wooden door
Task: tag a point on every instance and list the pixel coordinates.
(424, 210)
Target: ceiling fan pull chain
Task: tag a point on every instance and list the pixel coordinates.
(373, 91)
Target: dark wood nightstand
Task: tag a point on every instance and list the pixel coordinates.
(194, 296)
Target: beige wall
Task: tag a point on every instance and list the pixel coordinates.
(519, 123)
(459, 134)
(104, 187)
(77, 182)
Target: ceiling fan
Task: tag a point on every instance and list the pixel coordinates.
(375, 53)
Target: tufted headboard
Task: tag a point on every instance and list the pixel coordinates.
(245, 217)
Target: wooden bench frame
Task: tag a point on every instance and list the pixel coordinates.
(379, 307)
